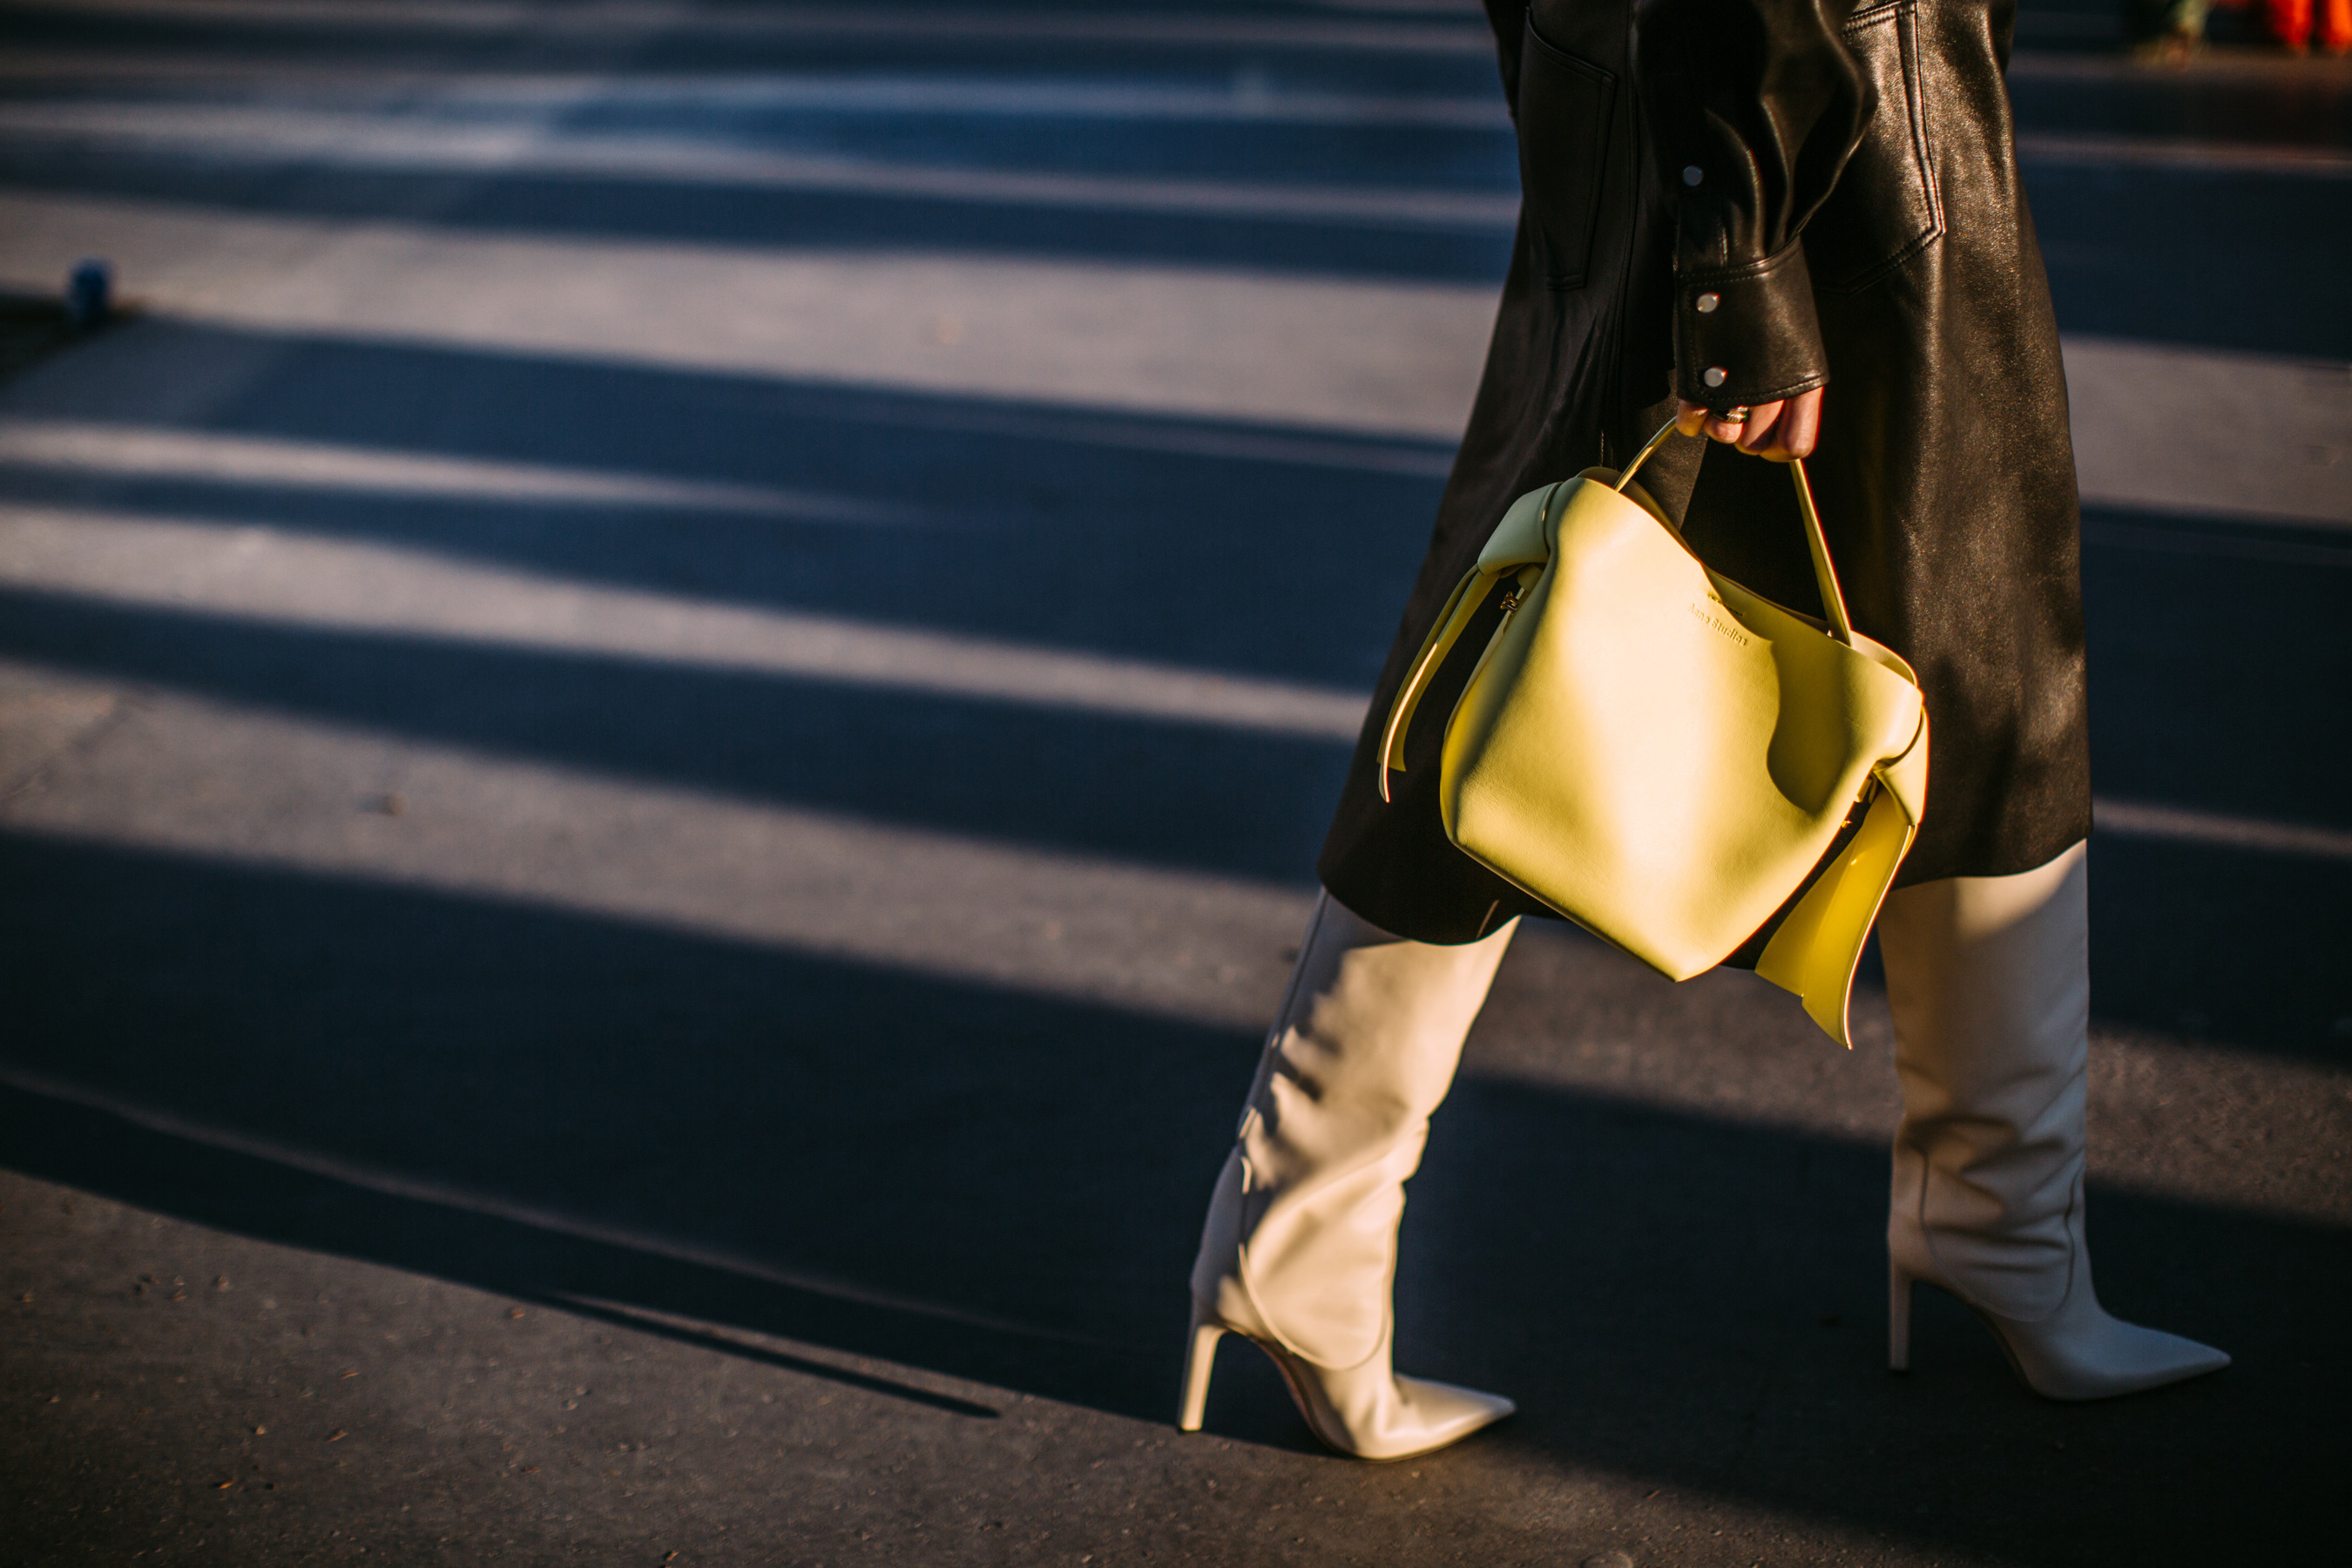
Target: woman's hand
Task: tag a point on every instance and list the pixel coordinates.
(1773, 431)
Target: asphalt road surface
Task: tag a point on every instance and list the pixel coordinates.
(664, 713)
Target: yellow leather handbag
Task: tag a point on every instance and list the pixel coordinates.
(1664, 757)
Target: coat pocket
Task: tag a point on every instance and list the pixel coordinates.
(1564, 113)
(1884, 208)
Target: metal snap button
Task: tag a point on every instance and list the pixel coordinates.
(1693, 174)
(1716, 375)
(1707, 302)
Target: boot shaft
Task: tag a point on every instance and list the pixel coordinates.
(1988, 981)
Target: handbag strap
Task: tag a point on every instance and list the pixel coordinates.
(1469, 594)
(1824, 572)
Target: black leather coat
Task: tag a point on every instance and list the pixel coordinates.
(1844, 182)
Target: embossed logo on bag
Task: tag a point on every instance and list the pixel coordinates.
(1702, 613)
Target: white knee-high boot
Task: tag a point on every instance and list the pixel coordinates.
(1299, 1251)
(1989, 982)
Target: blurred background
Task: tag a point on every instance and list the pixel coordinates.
(668, 677)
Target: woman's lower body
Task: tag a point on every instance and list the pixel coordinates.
(1945, 483)
(1988, 978)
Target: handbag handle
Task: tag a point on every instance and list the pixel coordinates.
(1824, 574)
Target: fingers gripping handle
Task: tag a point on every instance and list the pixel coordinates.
(1816, 542)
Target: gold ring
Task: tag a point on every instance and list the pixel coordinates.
(1733, 416)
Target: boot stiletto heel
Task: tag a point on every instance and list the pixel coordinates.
(1198, 1363)
(1898, 1318)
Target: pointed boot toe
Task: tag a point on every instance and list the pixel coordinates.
(1365, 1412)
(2083, 1352)
(1371, 1413)
(1445, 1413)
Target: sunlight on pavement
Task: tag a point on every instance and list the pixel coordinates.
(627, 18)
(2207, 433)
(2143, 819)
(1343, 355)
(361, 142)
(292, 579)
(1247, 99)
(153, 452)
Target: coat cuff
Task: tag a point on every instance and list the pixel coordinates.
(1746, 335)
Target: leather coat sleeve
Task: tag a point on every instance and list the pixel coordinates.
(1754, 105)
